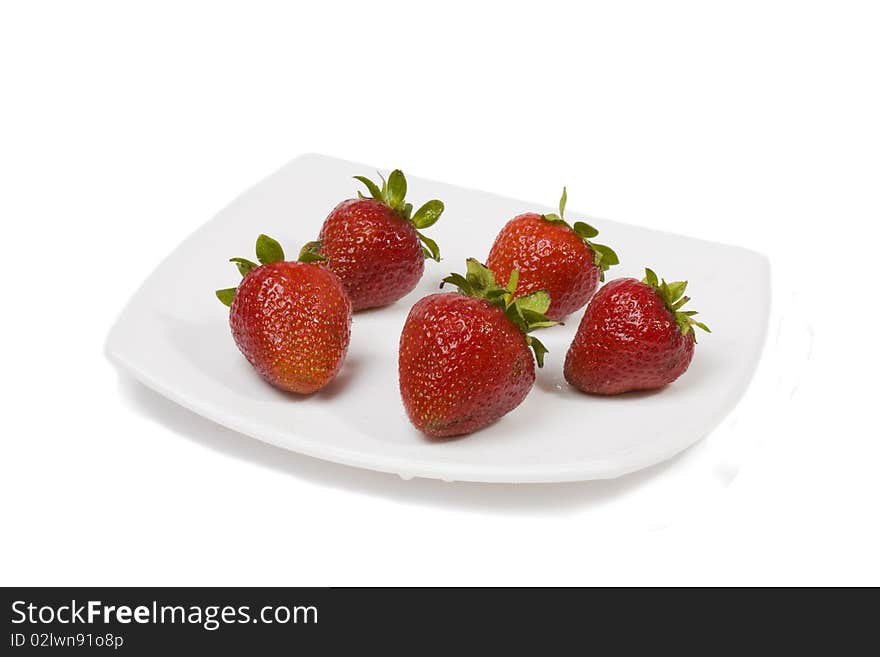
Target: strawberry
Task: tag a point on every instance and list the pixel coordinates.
(291, 320)
(375, 245)
(464, 357)
(633, 336)
(552, 255)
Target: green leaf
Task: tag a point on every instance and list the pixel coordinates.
(371, 186)
(603, 257)
(547, 323)
(226, 296)
(480, 277)
(675, 290)
(458, 281)
(428, 214)
(554, 218)
(498, 296)
(407, 211)
(607, 255)
(513, 312)
(396, 189)
(244, 265)
(384, 191)
(673, 297)
(678, 304)
(562, 201)
(429, 247)
(513, 281)
(539, 349)
(533, 322)
(311, 252)
(268, 250)
(536, 302)
(584, 230)
(479, 281)
(526, 312)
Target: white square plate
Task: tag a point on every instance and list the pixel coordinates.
(174, 337)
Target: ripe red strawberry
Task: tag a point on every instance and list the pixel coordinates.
(464, 358)
(374, 244)
(291, 320)
(633, 336)
(552, 255)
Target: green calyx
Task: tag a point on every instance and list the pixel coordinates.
(268, 250)
(603, 256)
(527, 312)
(392, 193)
(673, 296)
(311, 252)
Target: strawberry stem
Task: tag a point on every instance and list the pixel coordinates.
(527, 313)
(268, 250)
(603, 256)
(392, 193)
(673, 297)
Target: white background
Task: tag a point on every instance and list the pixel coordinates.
(127, 125)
